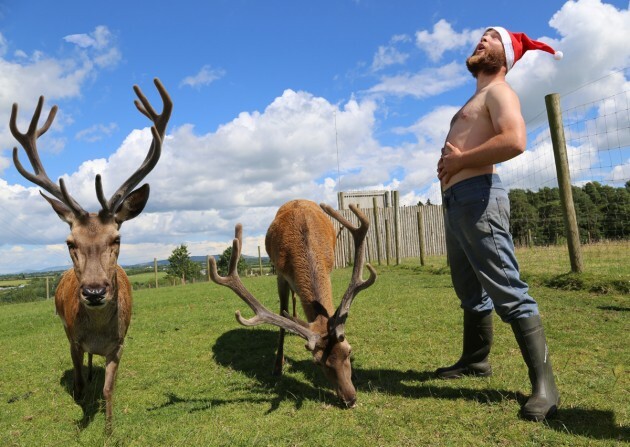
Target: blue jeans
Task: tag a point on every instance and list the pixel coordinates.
(484, 269)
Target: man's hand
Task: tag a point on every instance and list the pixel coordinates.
(450, 163)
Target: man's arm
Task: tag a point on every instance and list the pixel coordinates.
(509, 140)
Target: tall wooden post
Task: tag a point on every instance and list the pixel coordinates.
(397, 227)
(340, 202)
(260, 261)
(387, 241)
(47, 289)
(376, 232)
(556, 128)
(421, 236)
(155, 272)
(208, 267)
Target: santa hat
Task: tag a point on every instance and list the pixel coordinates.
(516, 44)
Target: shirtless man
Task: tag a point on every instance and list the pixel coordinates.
(490, 129)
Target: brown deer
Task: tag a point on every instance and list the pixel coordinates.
(301, 245)
(93, 299)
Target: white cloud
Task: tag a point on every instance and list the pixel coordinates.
(81, 40)
(432, 128)
(206, 76)
(386, 56)
(99, 43)
(620, 174)
(96, 132)
(99, 38)
(3, 45)
(445, 38)
(428, 82)
(594, 40)
(24, 79)
(243, 172)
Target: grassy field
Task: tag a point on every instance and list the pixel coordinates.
(191, 376)
(13, 282)
(146, 277)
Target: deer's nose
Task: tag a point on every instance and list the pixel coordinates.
(94, 295)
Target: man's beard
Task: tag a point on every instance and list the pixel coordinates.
(488, 63)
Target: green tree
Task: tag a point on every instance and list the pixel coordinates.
(223, 263)
(524, 217)
(602, 213)
(588, 215)
(181, 266)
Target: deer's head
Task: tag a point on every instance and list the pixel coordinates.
(334, 358)
(94, 240)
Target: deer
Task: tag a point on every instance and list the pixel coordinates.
(93, 298)
(300, 243)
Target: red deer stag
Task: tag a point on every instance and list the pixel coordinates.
(301, 245)
(93, 298)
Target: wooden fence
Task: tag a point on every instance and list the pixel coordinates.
(393, 234)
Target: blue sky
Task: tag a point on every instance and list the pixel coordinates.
(273, 101)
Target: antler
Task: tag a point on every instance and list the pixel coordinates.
(338, 321)
(28, 141)
(263, 315)
(158, 130)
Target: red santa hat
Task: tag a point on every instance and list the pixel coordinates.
(516, 44)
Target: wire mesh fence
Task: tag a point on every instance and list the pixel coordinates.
(597, 136)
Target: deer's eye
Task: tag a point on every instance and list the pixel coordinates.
(116, 241)
(71, 245)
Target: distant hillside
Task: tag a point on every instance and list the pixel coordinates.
(199, 259)
(161, 263)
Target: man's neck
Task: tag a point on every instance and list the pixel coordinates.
(484, 79)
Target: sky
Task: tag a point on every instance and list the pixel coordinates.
(273, 101)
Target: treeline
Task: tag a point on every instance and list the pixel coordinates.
(603, 213)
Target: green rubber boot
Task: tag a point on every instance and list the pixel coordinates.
(545, 398)
(477, 342)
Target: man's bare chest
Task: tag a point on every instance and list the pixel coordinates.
(473, 111)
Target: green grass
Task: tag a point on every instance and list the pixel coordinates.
(146, 277)
(191, 376)
(606, 267)
(13, 282)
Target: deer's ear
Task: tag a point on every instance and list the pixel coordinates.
(61, 209)
(133, 204)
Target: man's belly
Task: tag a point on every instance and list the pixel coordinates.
(466, 174)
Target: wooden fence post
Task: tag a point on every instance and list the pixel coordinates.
(47, 289)
(260, 261)
(397, 227)
(155, 271)
(387, 240)
(376, 232)
(421, 236)
(556, 128)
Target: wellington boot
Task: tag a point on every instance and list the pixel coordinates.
(545, 398)
(477, 342)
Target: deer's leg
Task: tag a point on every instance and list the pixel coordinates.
(76, 352)
(283, 293)
(89, 366)
(111, 367)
